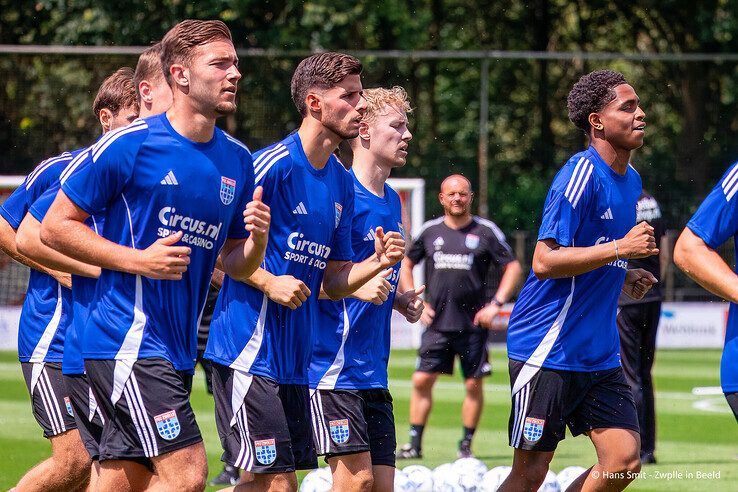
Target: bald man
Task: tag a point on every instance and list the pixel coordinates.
(458, 249)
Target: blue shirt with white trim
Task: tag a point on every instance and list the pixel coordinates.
(569, 323)
(311, 224)
(354, 354)
(47, 303)
(149, 182)
(715, 222)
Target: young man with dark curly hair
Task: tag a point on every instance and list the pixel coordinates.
(562, 340)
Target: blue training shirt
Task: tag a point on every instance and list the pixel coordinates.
(83, 288)
(47, 304)
(149, 182)
(569, 323)
(354, 354)
(311, 225)
(715, 222)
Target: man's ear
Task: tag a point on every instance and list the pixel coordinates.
(364, 132)
(313, 102)
(105, 118)
(144, 90)
(180, 75)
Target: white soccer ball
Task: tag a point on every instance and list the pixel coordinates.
(319, 480)
(550, 483)
(568, 475)
(492, 480)
(447, 478)
(471, 466)
(403, 483)
(420, 476)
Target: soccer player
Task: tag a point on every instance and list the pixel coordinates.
(458, 249)
(173, 189)
(716, 221)
(562, 340)
(262, 334)
(155, 96)
(47, 308)
(351, 406)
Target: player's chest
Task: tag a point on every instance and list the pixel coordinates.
(613, 214)
(313, 207)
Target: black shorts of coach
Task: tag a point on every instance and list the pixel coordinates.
(50, 399)
(555, 399)
(438, 350)
(354, 421)
(269, 430)
(146, 409)
(87, 413)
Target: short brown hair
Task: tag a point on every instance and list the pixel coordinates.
(323, 71)
(181, 40)
(148, 66)
(378, 98)
(116, 92)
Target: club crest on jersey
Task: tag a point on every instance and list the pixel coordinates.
(266, 451)
(68, 404)
(471, 241)
(227, 190)
(339, 210)
(339, 430)
(167, 425)
(438, 243)
(533, 429)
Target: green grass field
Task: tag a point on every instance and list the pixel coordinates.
(696, 434)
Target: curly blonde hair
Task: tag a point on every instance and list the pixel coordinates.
(379, 98)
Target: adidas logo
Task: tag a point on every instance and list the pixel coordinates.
(370, 236)
(607, 215)
(300, 209)
(169, 179)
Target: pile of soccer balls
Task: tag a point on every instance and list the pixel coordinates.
(463, 475)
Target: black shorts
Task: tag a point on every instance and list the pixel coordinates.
(86, 412)
(146, 408)
(269, 429)
(551, 400)
(354, 421)
(438, 349)
(733, 402)
(50, 401)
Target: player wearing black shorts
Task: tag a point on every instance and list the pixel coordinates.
(459, 250)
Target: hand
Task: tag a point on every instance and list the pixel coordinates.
(390, 247)
(638, 243)
(376, 290)
(428, 314)
(287, 291)
(638, 282)
(64, 279)
(257, 218)
(410, 304)
(164, 261)
(486, 316)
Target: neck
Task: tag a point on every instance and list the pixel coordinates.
(457, 221)
(370, 171)
(617, 159)
(318, 142)
(190, 123)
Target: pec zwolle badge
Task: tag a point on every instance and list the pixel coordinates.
(339, 430)
(533, 429)
(68, 404)
(227, 190)
(167, 425)
(266, 451)
(339, 210)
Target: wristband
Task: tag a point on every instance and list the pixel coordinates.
(617, 253)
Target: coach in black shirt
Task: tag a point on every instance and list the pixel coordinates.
(459, 250)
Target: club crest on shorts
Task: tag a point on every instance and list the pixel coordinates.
(266, 451)
(339, 210)
(68, 404)
(227, 190)
(167, 425)
(472, 241)
(339, 430)
(533, 429)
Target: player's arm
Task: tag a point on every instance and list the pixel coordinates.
(64, 230)
(28, 242)
(705, 266)
(241, 257)
(551, 260)
(406, 282)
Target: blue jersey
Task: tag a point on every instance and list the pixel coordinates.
(715, 222)
(354, 354)
(83, 288)
(47, 303)
(569, 323)
(311, 225)
(150, 182)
